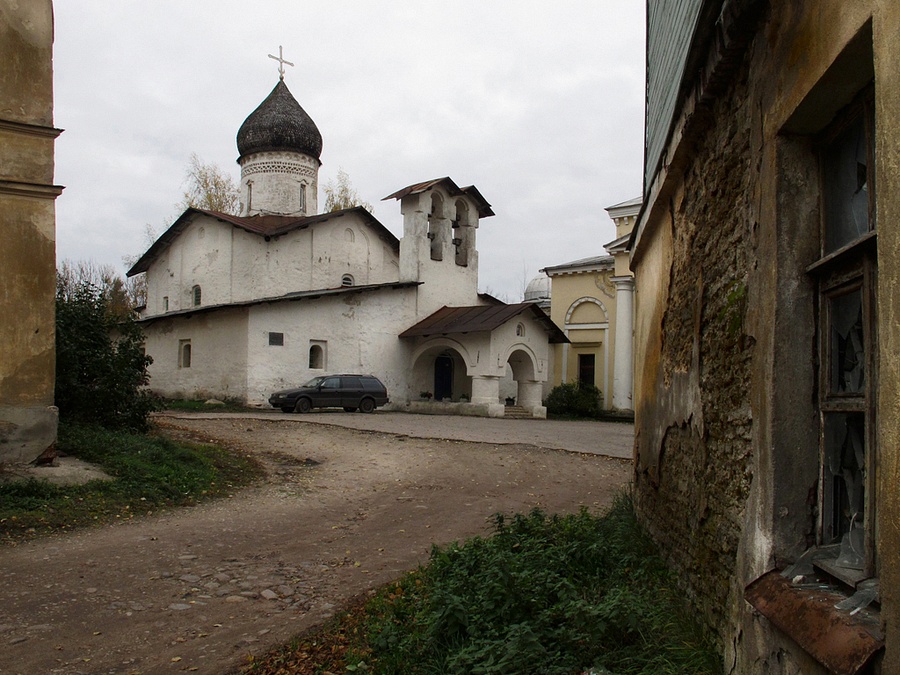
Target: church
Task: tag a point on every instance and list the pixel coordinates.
(241, 306)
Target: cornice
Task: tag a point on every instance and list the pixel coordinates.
(29, 129)
(11, 187)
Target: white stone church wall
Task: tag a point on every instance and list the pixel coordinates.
(309, 259)
(286, 179)
(505, 340)
(444, 281)
(200, 256)
(233, 265)
(358, 333)
(218, 365)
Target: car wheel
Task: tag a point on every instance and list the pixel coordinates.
(287, 408)
(303, 405)
(367, 405)
(349, 408)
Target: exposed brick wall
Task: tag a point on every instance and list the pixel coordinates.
(694, 506)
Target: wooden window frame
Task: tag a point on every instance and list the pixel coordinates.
(849, 268)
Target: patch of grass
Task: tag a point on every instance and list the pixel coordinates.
(149, 473)
(544, 595)
(201, 406)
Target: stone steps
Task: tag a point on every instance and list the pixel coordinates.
(517, 412)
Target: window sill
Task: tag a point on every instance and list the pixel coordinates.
(842, 641)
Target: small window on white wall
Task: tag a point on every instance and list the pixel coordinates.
(520, 330)
(276, 339)
(317, 355)
(347, 280)
(184, 354)
(165, 303)
(196, 295)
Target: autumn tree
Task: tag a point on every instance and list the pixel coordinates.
(209, 188)
(341, 195)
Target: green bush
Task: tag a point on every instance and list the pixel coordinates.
(101, 368)
(544, 594)
(573, 399)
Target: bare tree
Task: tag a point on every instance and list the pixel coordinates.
(341, 195)
(71, 276)
(209, 188)
(136, 286)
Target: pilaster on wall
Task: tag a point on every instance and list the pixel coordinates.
(413, 243)
(28, 221)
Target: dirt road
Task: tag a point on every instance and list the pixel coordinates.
(197, 590)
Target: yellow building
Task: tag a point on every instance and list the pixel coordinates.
(28, 222)
(591, 301)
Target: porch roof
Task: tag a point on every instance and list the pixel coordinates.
(481, 318)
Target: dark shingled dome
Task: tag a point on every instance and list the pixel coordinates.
(279, 123)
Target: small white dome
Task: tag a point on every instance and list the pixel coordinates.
(538, 288)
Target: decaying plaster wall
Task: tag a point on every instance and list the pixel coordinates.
(27, 218)
(693, 455)
(725, 328)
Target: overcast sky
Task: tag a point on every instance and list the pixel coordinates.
(539, 105)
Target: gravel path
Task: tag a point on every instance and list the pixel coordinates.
(612, 439)
(344, 511)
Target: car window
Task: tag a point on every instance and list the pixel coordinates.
(350, 383)
(371, 384)
(331, 383)
(314, 382)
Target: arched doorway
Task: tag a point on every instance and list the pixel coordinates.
(443, 377)
(521, 365)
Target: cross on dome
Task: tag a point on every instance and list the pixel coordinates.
(281, 62)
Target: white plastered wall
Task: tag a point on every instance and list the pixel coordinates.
(218, 355)
(233, 265)
(358, 332)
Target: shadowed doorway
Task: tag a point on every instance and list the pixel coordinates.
(443, 378)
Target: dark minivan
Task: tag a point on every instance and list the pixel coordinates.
(350, 392)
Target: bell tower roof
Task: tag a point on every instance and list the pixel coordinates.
(279, 123)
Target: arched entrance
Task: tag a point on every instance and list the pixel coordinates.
(439, 373)
(521, 364)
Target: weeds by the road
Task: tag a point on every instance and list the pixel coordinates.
(149, 473)
(185, 405)
(544, 594)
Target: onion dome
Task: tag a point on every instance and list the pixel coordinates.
(279, 123)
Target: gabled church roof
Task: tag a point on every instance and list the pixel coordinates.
(480, 318)
(264, 226)
(484, 209)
